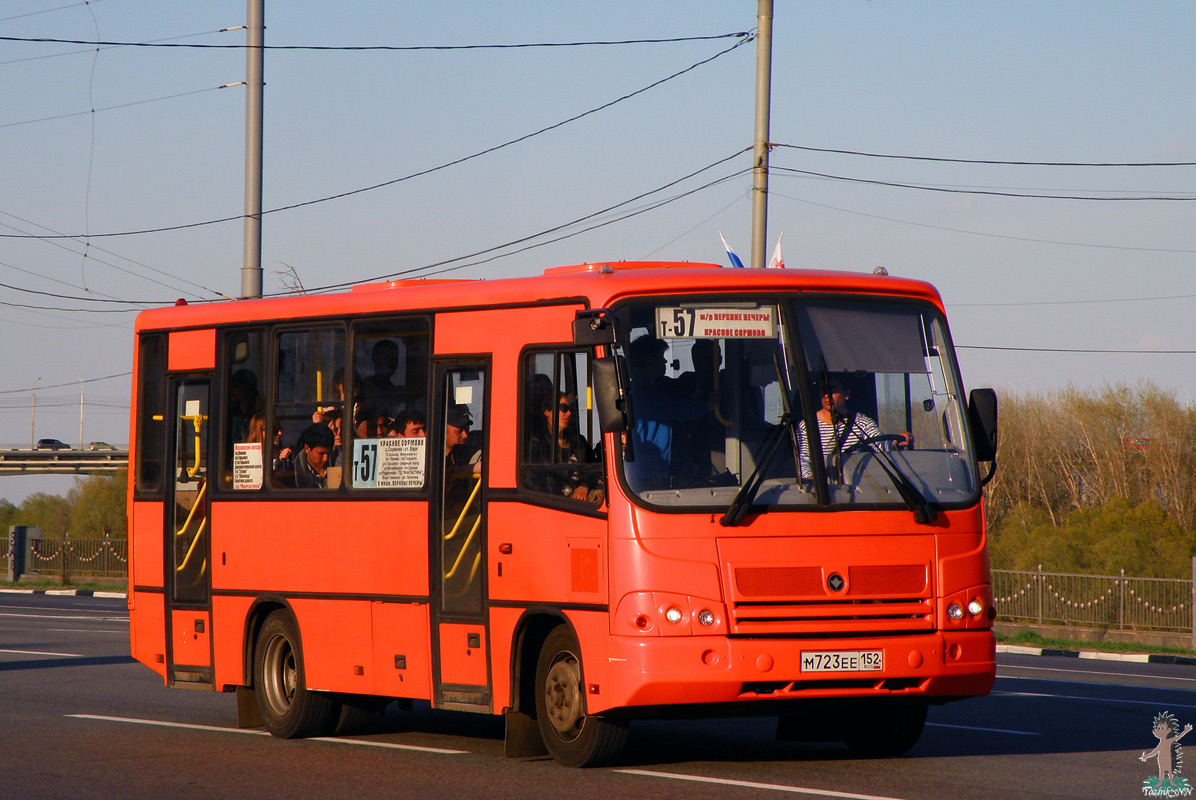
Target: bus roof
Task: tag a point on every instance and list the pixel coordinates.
(597, 284)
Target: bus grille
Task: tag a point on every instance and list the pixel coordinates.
(795, 600)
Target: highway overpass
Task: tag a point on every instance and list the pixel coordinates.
(62, 462)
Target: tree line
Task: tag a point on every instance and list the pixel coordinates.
(1095, 481)
(92, 509)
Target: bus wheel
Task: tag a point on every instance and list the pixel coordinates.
(574, 738)
(288, 709)
(886, 730)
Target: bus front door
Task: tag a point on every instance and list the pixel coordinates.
(187, 550)
(459, 609)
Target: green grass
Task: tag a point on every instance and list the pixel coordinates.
(1031, 639)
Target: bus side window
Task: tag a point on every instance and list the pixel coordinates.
(243, 400)
(151, 414)
(310, 389)
(390, 399)
(560, 444)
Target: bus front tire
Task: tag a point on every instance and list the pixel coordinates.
(289, 710)
(573, 737)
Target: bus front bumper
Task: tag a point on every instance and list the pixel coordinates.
(686, 671)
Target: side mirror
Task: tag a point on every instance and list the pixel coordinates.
(982, 413)
(593, 326)
(609, 398)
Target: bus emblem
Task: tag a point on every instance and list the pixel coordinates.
(835, 582)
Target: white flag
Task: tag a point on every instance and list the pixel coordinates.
(777, 261)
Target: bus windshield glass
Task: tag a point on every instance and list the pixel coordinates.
(723, 393)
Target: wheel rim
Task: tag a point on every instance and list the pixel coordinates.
(562, 696)
(281, 674)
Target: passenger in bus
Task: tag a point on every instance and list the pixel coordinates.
(379, 388)
(561, 449)
(257, 435)
(840, 429)
(456, 433)
(334, 419)
(311, 462)
(408, 423)
(242, 403)
(661, 407)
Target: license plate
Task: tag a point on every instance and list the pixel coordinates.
(842, 661)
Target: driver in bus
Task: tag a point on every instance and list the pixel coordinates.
(840, 430)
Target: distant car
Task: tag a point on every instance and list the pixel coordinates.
(100, 446)
(52, 444)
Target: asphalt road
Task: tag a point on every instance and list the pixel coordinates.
(83, 720)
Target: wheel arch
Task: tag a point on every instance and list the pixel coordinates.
(262, 608)
(531, 631)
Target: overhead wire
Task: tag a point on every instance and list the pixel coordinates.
(402, 179)
(986, 161)
(979, 191)
(548, 231)
(381, 48)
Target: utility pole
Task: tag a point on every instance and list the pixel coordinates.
(760, 149)
(80, 411)
(255, 37)
(33, 414)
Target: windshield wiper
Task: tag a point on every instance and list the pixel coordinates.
(924, 512)
(747, 493)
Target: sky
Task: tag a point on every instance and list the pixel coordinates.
(1053, 276)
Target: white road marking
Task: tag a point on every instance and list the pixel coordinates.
(39, 653)
(1089, 672)
(1096, 699)
(74, 617)
(987, 730)
(776, 787)
(87, 630)
(217, 729)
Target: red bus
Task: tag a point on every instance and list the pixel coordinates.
(576, 500)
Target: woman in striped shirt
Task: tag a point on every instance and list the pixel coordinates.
(839, 430)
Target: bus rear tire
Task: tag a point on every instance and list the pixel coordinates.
(289, 710)
(573, 737)
(885, 731)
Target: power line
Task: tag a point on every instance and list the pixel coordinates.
(744, 35)
(982, 233)
(988, 192)
(113, 108)
(991, 162)
(394, 181)
(68, 383)
(554, 229)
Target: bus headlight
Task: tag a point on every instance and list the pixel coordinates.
(705, 617)
(673, 614)
(955, 611)
(975, 607)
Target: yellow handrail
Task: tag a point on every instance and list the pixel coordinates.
(477, 486)
(191, 549)
(197, 420)
(198, 502)
(461, 554)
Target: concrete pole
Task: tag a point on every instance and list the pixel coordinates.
(255, 35)
(760, 149)
(80, 411)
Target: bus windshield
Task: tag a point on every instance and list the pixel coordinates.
(724, 393)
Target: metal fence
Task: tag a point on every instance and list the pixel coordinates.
(1097, 601)
(72, 557)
